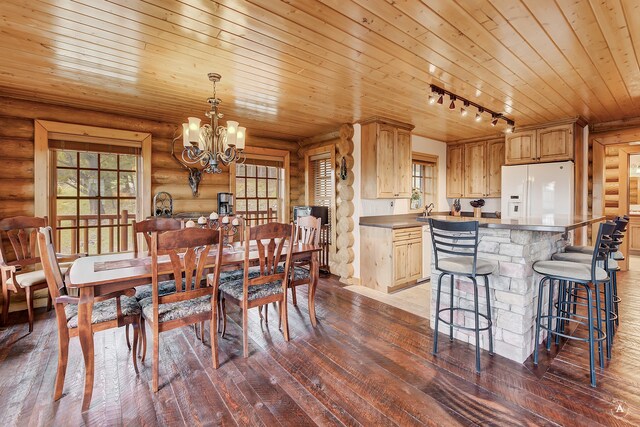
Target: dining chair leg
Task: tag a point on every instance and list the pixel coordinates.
(30, 307)
(134, 352)
(280, 315)
(245, 332)
(126, 334)
(284, 319)
(294, 300)
(224, 317)
(219, 309)
(6, 299)
(213, 334)
(143, 331)
(266, 313)
(202, 331)
(156, 360)
(63, 357)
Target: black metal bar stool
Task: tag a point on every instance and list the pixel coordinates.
(459, 240)
(587, 276)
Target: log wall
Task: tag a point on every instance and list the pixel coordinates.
(17, 156)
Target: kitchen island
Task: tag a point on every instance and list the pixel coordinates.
(513, 245)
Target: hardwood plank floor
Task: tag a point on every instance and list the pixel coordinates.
(367, 363)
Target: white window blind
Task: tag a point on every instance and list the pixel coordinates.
(322, 185)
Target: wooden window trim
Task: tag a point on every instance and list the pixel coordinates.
(44, 160)
(427, 158)
(268, 154)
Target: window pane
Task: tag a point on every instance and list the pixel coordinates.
(67, 158)
(240, 170)
(108, 161)
(127, 184)
(108, 239)
(66, 211)
(251, 188)
(88, 212)
(262, 188)
(241, 205)
(88, 183)
(252, 205)
(109, 211)
(89, 160)
(130, 207)
(64, 242)
(128, 162)
(92, 248)
(273, 172)
(66, 182)
(273, 189)
(262, 171)
(262, 205)
(251, 170)
(240, 190)
(109, 184)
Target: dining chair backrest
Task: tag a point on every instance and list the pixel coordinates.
(21, 232)
(152, 225)
(270, 240)
(308, 230)
(52, 272)
(454, 238)
(188, 250)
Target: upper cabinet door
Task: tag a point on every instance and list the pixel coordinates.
(402, 159)
(520, 148)
(386, 164)
(555, 143)
(475, 161)
(455, 171)
(495, 161)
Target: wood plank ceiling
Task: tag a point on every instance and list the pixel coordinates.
(293, 69)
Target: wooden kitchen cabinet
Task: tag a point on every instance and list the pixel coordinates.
(549, 144)
(634, 238)
(389, 270)
(455, 171)
(474, 170)
(386, 159)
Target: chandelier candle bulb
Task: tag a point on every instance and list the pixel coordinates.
(235, 222)
(213, 216)
(190, 224)
(202, 220)
(242, 131)
(194, 129)
(225, 220)
(185, 135)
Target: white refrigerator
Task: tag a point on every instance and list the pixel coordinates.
(537, 191)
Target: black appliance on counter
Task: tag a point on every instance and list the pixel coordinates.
(225, 203)
(321, 212)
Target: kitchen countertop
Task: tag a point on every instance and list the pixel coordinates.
(391, 221)
(550, 223)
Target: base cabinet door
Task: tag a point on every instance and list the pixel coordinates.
(634, 239)
(400, 262)
(414, 260)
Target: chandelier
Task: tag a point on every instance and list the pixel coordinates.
(211, 144)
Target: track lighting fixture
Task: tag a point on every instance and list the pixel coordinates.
(464, 110)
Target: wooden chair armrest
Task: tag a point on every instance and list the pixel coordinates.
(7, 268)
(69, 257)
(127, 292)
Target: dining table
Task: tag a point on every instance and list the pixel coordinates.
(97, 275)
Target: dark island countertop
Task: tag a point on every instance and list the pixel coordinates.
(547, 223)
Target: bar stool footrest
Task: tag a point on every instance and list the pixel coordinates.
(446, 322)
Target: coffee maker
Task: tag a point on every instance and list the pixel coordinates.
(225, 203)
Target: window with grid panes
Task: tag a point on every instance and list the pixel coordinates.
(257, 195)
(322, 181)
(423, 184)
(95, 201)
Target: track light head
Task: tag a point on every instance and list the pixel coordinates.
(441, 99)
(479, 115)
(494, 120)
(510, 126)
(452, 106)
(463, 109)
(432, 99)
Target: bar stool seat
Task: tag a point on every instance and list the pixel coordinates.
(567, 270)
(464, 265)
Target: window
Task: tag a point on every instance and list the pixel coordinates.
(258, 191)
(321, 180)
(423, 182)
(95, 201)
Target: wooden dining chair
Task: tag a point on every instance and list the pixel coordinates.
(192, 301)
(147, 227)
(109, 311)
(21, 273)
(262, 284)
